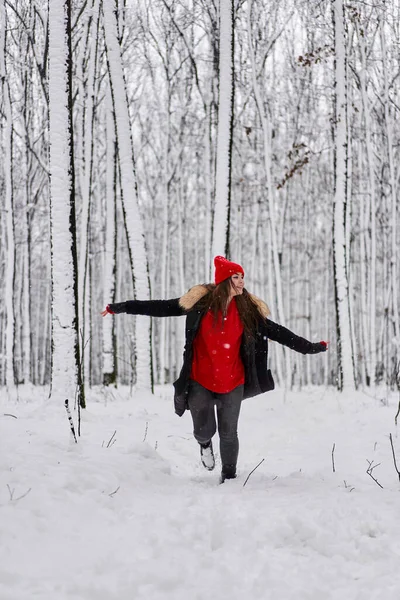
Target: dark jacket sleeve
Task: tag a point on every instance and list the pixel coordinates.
(151, 308)
(280, 334)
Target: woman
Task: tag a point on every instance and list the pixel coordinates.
(225, 357)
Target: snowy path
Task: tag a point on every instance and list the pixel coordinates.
(295, 531)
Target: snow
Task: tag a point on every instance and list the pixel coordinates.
(135, 515)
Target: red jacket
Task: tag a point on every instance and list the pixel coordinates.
(217, 364)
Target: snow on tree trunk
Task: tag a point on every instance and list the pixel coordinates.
(220, 243)
(371, 352)
(84, 317)
(8, 205)
(394, 260)
(345, 357)
(109, 366)
(133, 223)
(208, 191)
(65, 373)
(266, 131)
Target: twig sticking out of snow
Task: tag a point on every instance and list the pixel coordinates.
(9, 415)
(371, 467)
(333, 458)
(71, 423)
(348, 487)
(110, 441)
(394, 456)
(397, 374)
(114, 492)
(251, 472)
(145, 431)
(11, 492)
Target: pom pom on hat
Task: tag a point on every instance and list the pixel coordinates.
(225, 268)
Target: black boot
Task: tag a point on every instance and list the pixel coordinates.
(228, 472)
(207, 456)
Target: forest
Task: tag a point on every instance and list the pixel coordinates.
(140, 139)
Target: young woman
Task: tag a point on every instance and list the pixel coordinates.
(225, 357)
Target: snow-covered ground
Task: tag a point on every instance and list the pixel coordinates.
(139, 518)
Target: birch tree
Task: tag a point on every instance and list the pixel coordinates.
(221, 223)
(346, 378)
(132, 218)
(109, 354)
(8, 203)
(66, 377)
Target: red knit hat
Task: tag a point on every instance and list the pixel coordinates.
(225, 268)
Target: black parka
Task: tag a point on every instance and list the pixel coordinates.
(254, 350)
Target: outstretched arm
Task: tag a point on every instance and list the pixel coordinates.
(284, 336)
(151, 308)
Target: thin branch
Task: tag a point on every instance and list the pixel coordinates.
(11, 492)
(333, 458)
(371, 467)
(145, 431)
(251, 472)
(193, 62)
(397, 414)
(9, 415)
(111, 442)
(114, 492)
(348, 487)
(394, 456)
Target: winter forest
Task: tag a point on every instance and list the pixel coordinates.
(140, 139)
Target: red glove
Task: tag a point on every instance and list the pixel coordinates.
(325, 344)
(108, 309)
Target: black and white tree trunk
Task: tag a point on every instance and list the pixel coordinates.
(132, 218)
(65, 374)
(221, 224)
(346, 379)
(8, 204)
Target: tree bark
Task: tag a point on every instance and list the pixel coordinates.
(133, 222)
(346, 380)
(65, 374)
(8, 205)
(221, 223)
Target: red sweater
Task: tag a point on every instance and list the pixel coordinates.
(216, 364)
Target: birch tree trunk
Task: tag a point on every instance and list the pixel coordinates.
(394, 259)
(371, 348)
(346, 378)
(109, 358)
(88, 126)
(221, 223)
(65, 373)
(8, 204)
(133, 223)
(266, 131)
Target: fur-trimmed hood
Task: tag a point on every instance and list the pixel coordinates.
(196, 293)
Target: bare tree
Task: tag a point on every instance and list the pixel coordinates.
(66, 375)
(221, 223)
(8, 203)
(346, 378)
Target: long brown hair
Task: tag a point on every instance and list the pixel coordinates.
(216, 300)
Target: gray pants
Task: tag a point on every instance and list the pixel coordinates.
(201, 404)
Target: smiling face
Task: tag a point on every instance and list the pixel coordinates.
(237, 284)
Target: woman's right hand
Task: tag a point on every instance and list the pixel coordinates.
(107, 311)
